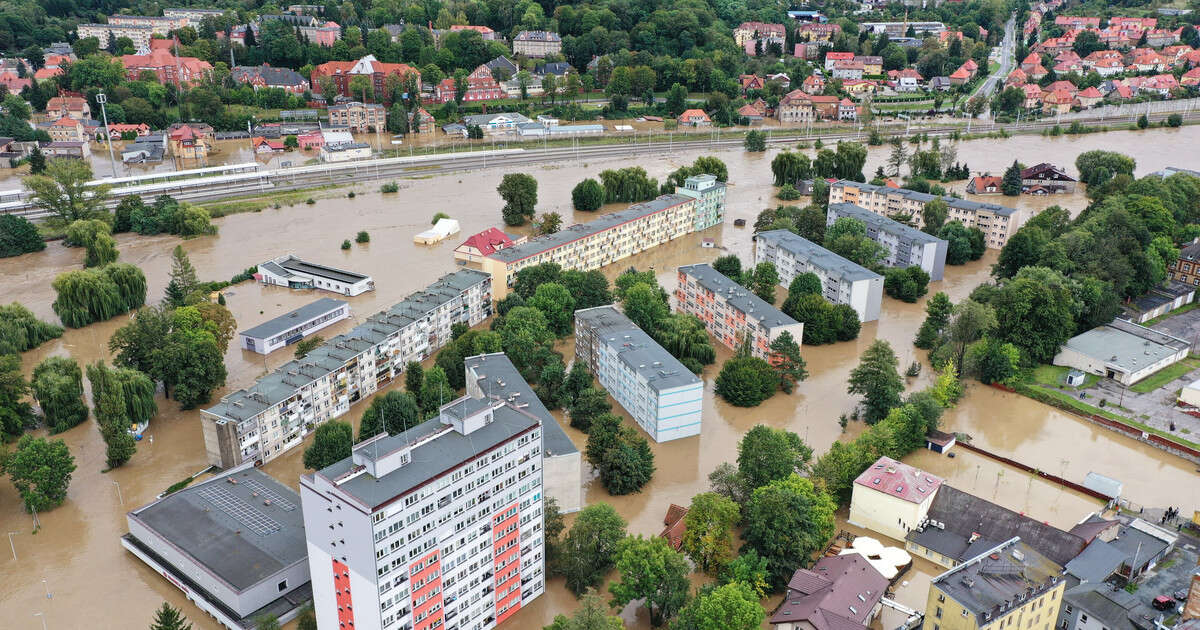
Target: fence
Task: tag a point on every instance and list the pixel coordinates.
(1132, 110)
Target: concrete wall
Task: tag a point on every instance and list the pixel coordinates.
(679, 412)
(865, 298)
(563, 479)
(350, 538)
(884, 513)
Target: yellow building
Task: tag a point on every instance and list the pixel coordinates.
(892, 498)
(1009, 587)
(996, 222)
(697, 205)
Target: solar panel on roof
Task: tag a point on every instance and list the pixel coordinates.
(263, 491)
(239, 510)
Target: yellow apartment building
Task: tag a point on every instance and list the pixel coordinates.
(996, 222)
(1008, 587)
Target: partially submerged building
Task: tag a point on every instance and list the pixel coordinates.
(292, 272)
(904, 246)
(892, 498)
(842, 281)
(1123, 351)
(291, 327)
(1005, 585)
(838, 593)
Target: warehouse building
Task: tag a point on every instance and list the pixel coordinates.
(1123, 351)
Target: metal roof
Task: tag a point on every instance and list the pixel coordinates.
(1126, 345)
(882, 223)
(499, 377)
(738, 296)
(817, 256)
(290, 320)
(291, 263)
(1000, 579)
(636, 349)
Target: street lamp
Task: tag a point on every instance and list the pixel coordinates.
(47, 585)
(11, 545)
(38, 614)
(102, 98)
(119, 493)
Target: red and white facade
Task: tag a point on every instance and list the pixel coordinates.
(436, 528)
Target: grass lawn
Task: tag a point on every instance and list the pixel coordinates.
(1055, 376)
(1165, 375)
(1178, 311)
(1085, 408)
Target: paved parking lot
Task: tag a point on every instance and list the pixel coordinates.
(1184, 325)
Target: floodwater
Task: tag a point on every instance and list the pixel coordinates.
(77, 551)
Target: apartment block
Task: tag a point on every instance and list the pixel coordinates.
(842, 281)
(358, 117)
(996, 222)
(494, 376)
(906, 246)
(731, 312)
(1009, 585)
(436, 527)
(138, 34)
(193, 16)
(661, 395)
(266, 419)
(697, 205)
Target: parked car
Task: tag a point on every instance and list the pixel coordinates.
(1163, 602)
(1181, 594)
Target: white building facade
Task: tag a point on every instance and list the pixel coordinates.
(906, 246)
(265, 420)
(294, 273)
(294, 326)
(437, 527)
(661, 395)
(842, 281)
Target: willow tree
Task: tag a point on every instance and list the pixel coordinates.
(63, 190)
(130, 283)
(58, 388)
(95, 295)
(20, 330)
(95, 236)
(121, 398)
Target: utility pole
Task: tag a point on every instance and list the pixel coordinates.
(102, 98)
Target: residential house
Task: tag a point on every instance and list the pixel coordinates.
(750, 113)
(480, 87)
(13, 83)
(537, 43)
(1059, 102)
(311, 140)
(813, 84)
(559, 69)
(68, 107)
(1030, 62)
(907, 80)
(266, 76)
(78, 149)
(984, 185)
(358, 117)
(848, 70)
(833, 58)
(838, 593)
(753, 32)
(1016, 78)
(1160, 37)
(262, 145)
(858, 87)
(1048, 176)
(1037, 73)
(116, 131)
(1089, 97)
(484, 32)
(872, 64)
(504, 67)
(892, 498)
(751, 82)
(342, 72)
(67, 130)
(817, 32)
(1190, 78)
(695, 118)
(960, 76)
(485, 243)
(1076, 23)
(940, 84)
(781, 78)
(847, 110)
(421, 121)
(188, 144)
(167, 67)
(674, 526)
(1186, 268)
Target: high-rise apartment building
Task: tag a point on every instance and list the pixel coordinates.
(697, 205)
(662, 395)
(996, 222)
(273, 415)
(842, 281)
(438, 527)
(731, 312)
(906, 246)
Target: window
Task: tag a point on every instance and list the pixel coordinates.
(1082, 618)
(938, 614)
(283, 586)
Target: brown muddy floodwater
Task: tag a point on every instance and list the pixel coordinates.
(91, 577)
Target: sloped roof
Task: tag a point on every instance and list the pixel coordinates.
(900, 480)
(838, 593)
(488, 241)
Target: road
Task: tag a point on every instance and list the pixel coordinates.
(1008, 56)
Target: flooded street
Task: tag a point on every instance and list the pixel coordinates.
(86, 570)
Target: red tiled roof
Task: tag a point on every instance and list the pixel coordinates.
(984, 182)
(488, 241)
(1091, 92)
(675, 527)
(693, 113)
(899, 480)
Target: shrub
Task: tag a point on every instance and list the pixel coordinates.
(346, 244)
(350, 194)
(362, 237)
(788, 193)
(588, 195)
(1174, 120)
(18, 236)
(438, 217)
(389, 187)
(248, 274)
(310, 201)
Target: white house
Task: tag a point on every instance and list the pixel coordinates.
(289, 271)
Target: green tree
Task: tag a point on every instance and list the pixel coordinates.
(587, 406)
(393, 412)
(645, 306)
(806, 283)
(787, 362)
(168, 617)
(933, 216)
(589, 288)
(519, 192)
(307, 619)
(40, 470)
(121, 398)
(993, 361)
(790, 167)
(627, 466)
(589, 548)
(732, 606)
(63, 190)
(708, 533)
(755, 141)
(1036, 312)
(972, 320)
(877, 380)
(628, 185)
(1023, 249)
(182, 280)
(937, 316)
(332, 442)
(57, 386)
(847, 237)
(1010, 184)
(15, 414)
(1143, 122)
(653, 572)
(676, 101)
(729, 266)
(18, 236)
(592, 614)
(414, 377)
(307, 345)
(786, 522)
(762, 279)
(766, 454)
(266, 622)
(95, 236)
(435, 391)
(20, 330)
(557, 304)
(93, 295)
(588, 195)
(746, 381)
(906, 284)
(1096, 168)
(749, 569)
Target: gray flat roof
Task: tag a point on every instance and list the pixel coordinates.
(817, 256)
(882, 223)
(229, 529)
(1098, 561)
(290, 320)
(501, 378)
(1126, 345)
(1113, 607)
(582, 230)
(997, 576)
(291, 263)
(446, 450)
(953, 202)
(738, 296)
(333, 354)
(639, 352)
